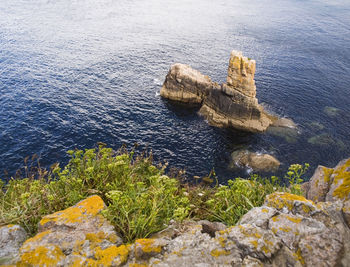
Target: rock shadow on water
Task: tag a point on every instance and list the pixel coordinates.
(182, 109)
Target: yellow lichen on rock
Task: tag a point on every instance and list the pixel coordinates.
(217, 253)
(82, 233)
(249, 232)
(285, 229)
(294, 219)
(42, 256)
(147, 245)
(90, 206)
(327, 174)
(105, 257)
(222, 241)
(298, 256)
(275, 218)
(138, 265)
(28, 243)
(280, 200)
(342, 180)
(254, 243)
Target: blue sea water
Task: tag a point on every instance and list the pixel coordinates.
(75, 72)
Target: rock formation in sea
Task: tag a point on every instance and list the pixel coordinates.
(287, 230)
(232, 104)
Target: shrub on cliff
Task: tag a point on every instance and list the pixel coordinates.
(140, 199)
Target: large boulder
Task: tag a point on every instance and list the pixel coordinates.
(330, 184)
(319, 184)
(340, 187)
(232, 104)
(79, 234)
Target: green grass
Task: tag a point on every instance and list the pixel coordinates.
(140, 198)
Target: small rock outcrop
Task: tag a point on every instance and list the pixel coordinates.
(329, 184)
(232, 104)
(255, 161)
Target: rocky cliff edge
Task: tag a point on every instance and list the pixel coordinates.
(288, 230)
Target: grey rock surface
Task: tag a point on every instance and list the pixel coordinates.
(11, 239)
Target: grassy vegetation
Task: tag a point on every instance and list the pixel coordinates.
(140, 198)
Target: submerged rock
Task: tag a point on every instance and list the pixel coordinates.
(291, 135)
(331, 111)
(323, 139)
(232, 104)
(284, 123)
(255, 161)
(317, 126)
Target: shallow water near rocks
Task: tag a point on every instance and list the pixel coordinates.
(77, 72)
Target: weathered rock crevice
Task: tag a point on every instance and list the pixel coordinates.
(232, 104)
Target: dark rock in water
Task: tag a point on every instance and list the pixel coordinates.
(232, 104)
(255, 161)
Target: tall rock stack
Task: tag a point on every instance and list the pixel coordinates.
(240, 74)
(232, 104)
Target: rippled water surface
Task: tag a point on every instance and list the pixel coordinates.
(75, 72)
